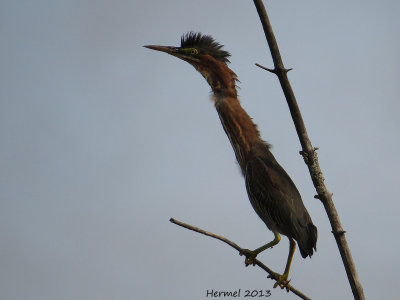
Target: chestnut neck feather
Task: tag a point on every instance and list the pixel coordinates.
(239, 127)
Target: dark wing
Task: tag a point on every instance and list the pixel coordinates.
(277, 201)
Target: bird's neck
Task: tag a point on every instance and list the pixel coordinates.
(219, 76)
(239, 127)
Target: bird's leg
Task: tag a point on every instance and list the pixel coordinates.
(251, 255)
(282, 279)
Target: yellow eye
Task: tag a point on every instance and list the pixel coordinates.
(191, 51)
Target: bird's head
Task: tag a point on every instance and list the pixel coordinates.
(206, 55)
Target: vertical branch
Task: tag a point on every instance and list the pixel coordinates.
(310, 155)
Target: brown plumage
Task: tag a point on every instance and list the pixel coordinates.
(272, 193)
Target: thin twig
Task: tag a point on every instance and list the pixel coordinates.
(272, 70)
(310, 155)
(273, 275)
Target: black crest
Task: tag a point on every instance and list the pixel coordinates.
(205, 44)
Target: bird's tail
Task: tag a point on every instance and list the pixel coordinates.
(309, 243)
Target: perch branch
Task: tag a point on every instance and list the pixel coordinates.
(310, 156)
(271, 273)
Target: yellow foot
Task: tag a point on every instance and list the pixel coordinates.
(282, 281)
(250, 257)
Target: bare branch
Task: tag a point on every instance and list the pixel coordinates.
(267, 69)
(273, 275)
(272, 70)
(310, 155)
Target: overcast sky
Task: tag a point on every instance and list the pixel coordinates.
(102, 141)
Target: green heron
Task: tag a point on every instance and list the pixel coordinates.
(272, 193)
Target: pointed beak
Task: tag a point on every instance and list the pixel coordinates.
(166, 49)
(174, 51)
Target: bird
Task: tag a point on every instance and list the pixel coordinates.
(271, 192)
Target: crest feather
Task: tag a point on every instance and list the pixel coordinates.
(205, 44)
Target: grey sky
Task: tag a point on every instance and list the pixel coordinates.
(102, 141)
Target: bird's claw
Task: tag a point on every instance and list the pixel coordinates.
(281, 281)
(250, 257)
